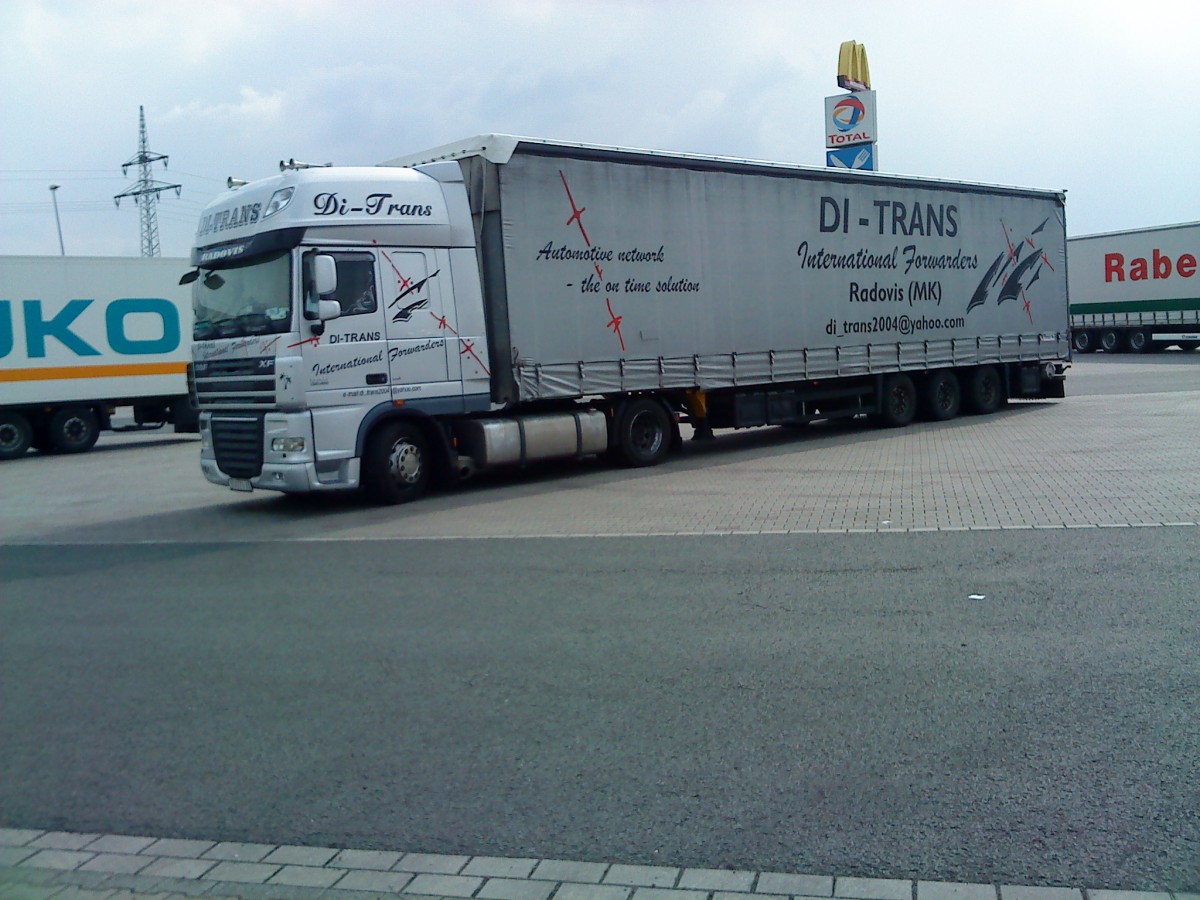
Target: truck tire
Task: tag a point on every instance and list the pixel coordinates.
(1137, 341)
(941, 396)
(644, 433)
(985, 391)
(1083, 341)
(16, 435)
(898, 401)
(1110, 340)
(73, 429)
(396, 464)
(1188, 346)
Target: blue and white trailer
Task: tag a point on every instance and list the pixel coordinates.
(82, 336)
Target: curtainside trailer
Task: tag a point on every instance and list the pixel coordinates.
(503, 300)
(1136, 291)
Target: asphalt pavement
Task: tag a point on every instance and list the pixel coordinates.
(931, 658)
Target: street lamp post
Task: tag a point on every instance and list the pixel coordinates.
(57, 221)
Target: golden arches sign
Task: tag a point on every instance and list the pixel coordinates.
(853, 73)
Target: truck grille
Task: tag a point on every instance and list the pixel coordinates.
(236, 383)
(238, 445)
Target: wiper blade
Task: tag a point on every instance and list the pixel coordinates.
(213, 323)
(207, 329)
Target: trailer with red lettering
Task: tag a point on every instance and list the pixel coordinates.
(82, 336)
(1135, 291)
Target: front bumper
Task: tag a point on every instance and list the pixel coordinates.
(236, 451)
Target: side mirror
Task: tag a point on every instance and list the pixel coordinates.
(328, 309)
(325, 276)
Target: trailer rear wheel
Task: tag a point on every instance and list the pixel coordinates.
(1137, 341)
(1188, 345)
(644, 433)
(396, 464)
(16, 435)
(898, 405)
(1083, 341)
(941, 396)
(1110, 340)
(985, 391)
(73, 429)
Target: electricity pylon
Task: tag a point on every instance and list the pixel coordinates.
(146, 189)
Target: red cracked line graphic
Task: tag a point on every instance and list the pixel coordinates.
(401, 281)
(443, 324)
(576, 211)
(1012, 256)
(614, 321)
(468, 346)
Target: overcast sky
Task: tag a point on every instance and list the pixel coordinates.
(1095, 96)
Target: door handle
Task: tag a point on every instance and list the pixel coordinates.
(377, 378)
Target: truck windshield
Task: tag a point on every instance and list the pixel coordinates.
(253, 298)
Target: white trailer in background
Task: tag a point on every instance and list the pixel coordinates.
(504, 300)
(1135, 291)
(81, 336)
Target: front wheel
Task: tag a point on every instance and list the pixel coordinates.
(643, 433)
(396, 464)
(73, 429)
(1083, 341)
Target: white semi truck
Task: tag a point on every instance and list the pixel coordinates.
(81, 336)
(1136, 291)
(504, 300)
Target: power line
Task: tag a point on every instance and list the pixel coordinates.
(74, 206)
(83, 205)
(220, 181)
(146, 190)
(59, 174)
(53, 171)
(40, 175)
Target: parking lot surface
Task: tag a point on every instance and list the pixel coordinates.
(1118, 454)
(1098, 461)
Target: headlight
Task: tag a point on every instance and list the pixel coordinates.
(280, 199)
(288, 445)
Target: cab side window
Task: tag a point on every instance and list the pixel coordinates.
(356, 283)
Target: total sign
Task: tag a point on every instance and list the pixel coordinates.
(850, 119)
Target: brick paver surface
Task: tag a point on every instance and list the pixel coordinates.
(1083, 462)
(336, 873)
(1067, 464)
